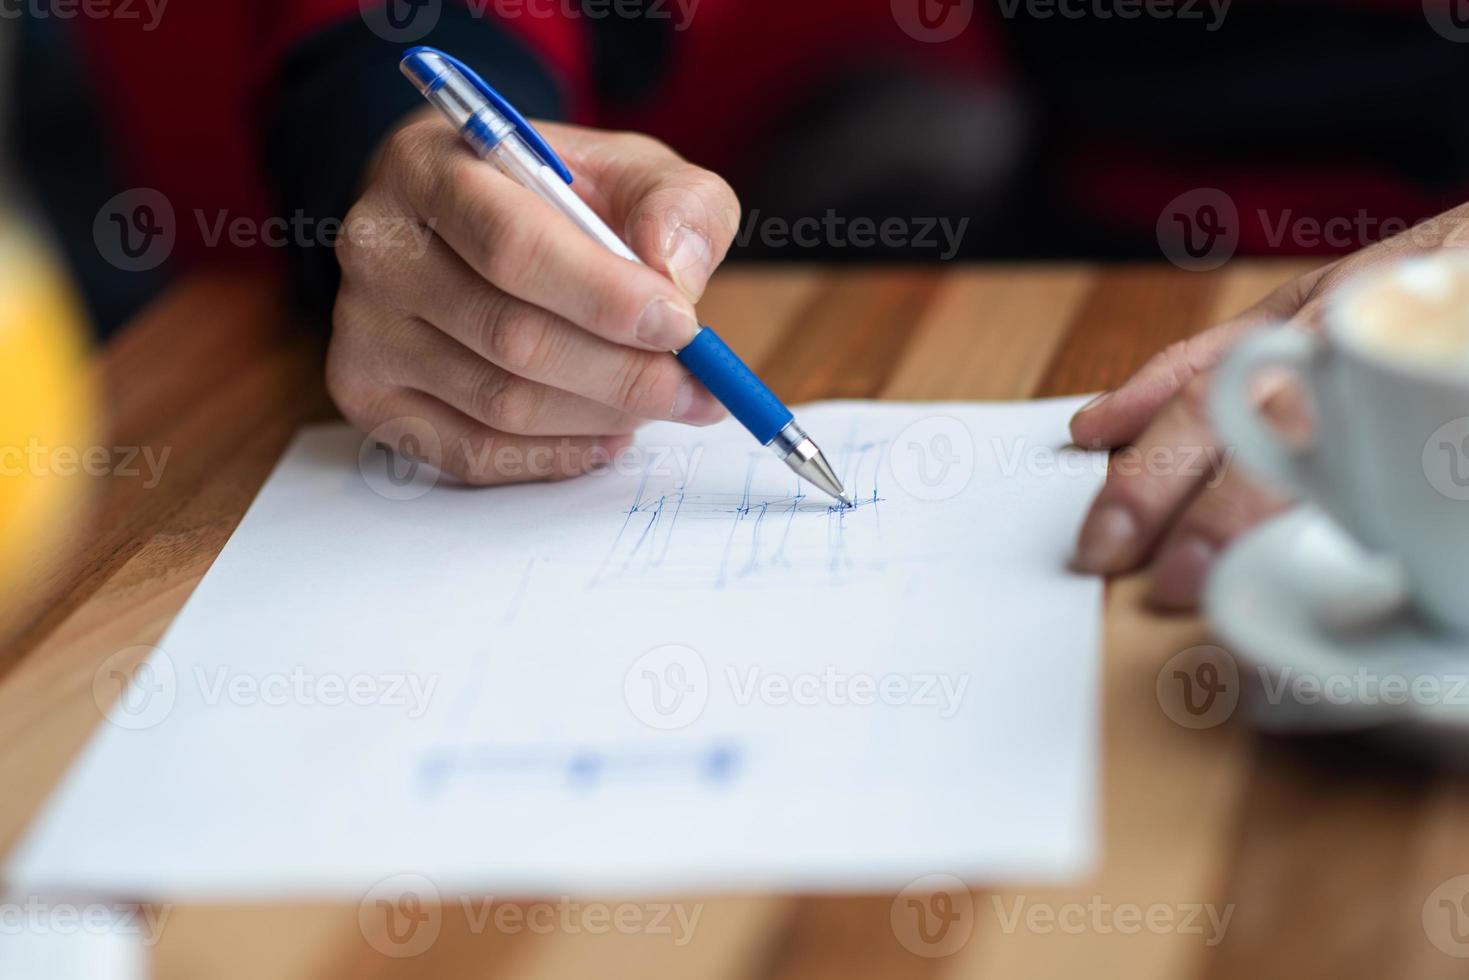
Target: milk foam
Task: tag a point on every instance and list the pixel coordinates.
(1417, 312)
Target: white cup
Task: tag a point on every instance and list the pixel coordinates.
(1390, 387)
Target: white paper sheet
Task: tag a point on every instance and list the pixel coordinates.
(680, 673)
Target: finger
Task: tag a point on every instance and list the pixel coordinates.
(539, 345)
(476, 454)
(1229, 505)
(1148, 483)
(1116, 418)
(432, 362)
(680, 218)
(518, 242)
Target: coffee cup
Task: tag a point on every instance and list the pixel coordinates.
(1388, 380)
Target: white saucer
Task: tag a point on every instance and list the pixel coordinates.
(1325, 638)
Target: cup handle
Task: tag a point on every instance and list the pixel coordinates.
(1237, 418)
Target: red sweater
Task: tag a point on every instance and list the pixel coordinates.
(184, 98)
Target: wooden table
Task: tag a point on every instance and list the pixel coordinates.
(1323, 858)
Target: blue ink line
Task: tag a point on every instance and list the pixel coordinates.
(652, 523)
(585, 767)
(519, 598)
(668, 536)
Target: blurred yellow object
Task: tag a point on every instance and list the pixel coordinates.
(45, 406)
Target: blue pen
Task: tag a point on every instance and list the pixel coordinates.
(501, 135)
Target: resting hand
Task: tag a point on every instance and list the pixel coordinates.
(1173, 498)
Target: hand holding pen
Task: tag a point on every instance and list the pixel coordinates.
(530, 350)
(560, 304)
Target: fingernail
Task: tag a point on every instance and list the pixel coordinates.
(1095, 402)
(1180, 573)
(664, 326)
(690, 260)
(1107, 541)
(695, 405)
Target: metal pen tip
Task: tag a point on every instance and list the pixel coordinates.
(806, 461)
(818, 472)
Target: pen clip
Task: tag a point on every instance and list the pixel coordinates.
(533, 139)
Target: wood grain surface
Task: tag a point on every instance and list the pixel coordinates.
(1322, 854)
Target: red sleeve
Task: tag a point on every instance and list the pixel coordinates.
(180, 91)
(559, 41)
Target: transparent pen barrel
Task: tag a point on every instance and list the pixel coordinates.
(520, 164)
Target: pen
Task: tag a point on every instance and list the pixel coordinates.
(502, 136)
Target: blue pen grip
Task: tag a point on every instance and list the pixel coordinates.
(710, 360)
